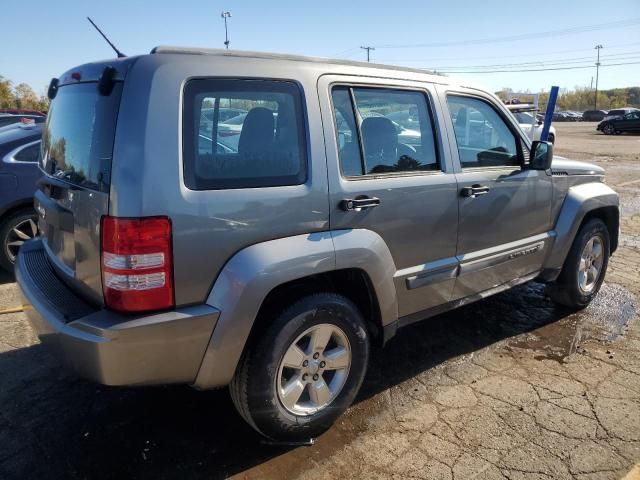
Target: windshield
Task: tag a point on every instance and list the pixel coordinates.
(77, 142)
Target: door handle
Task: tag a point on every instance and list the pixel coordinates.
(474, 191)
(357, 204)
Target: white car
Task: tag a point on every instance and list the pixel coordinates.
(525, 120)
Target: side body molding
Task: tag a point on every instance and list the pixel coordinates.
(579, 201)
(249, 276)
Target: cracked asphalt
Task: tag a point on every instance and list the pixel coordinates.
(509, 387)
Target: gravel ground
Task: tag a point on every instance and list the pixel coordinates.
(509, 387)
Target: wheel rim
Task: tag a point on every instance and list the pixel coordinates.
(608, 129)
(590, 267)
(314, 369)
(20, 233)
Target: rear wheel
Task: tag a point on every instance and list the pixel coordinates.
(608, 129)
(585, 267)
(16, 229)
(305, 370)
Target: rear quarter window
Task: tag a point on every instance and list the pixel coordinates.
(262, 146)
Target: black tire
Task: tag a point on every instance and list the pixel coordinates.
(254, 386)
(551, 138)
(608, 129)
(566, 290)
(6, 227)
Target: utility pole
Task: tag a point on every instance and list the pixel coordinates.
(595, 102)
(226, 15)
(368, 49)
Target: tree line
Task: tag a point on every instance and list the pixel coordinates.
(580, 98)
(583, 98)
(21, 96)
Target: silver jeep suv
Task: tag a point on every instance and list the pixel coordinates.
(345, 201)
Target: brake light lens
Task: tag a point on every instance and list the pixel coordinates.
(137, 270)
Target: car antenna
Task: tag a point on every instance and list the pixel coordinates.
(118, 52)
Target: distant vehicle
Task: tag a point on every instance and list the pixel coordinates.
(577, 116)
(525, 120)
(619, 112)
(19, 153)
(594, 115)
(563, 117)
(10, 119)
(22, 111)
(629, 122)
(223, 115)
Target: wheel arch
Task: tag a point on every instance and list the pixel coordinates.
(583, 203)
(259, 279)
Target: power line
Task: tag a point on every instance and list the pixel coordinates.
(538, 69)
(541, 63)
(525, 36)
(519, 55)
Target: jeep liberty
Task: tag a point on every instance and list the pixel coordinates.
(258, 221)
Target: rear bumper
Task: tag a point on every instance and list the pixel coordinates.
(105, 346)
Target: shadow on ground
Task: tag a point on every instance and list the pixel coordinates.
(53, 425)
(6, 277)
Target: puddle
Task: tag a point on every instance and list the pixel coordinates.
(605, 320)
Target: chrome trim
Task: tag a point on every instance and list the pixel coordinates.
(10, 157)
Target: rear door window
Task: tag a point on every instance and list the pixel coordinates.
(261, 145)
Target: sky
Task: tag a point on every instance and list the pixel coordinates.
(41, 39)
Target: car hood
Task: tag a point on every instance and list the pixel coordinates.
(564, 166)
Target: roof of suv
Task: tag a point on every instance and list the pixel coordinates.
(294, 58)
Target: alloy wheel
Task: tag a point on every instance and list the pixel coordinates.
(314, 369)
(24, 230)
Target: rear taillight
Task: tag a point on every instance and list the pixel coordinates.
(137, 273)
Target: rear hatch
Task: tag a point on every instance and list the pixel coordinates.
(73, 195)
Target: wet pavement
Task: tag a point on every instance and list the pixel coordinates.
(508, 387)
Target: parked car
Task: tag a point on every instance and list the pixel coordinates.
(526, 120)
(274, 269)
(629, 122)
(7, 119)
(619, 112)
(19, 151)
(562, 117)
(594, 115)
(22, 111)
(576, 116)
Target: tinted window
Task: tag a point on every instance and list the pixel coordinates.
(260, 148)
(78, 138)
(388, 146)
(28, 154)
(483, 137)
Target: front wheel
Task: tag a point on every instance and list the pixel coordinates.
(585, 267)
(608, 129)
(305, 370)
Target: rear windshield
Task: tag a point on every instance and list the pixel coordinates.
(263, 145)
(77, 142)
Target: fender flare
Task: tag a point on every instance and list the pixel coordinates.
(253, 272)
(579, 201)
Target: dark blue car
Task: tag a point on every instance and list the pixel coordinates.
(19, 154)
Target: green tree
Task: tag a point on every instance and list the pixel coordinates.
(7, 100)
(26, 97)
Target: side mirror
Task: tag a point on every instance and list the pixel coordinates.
(541, 155)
